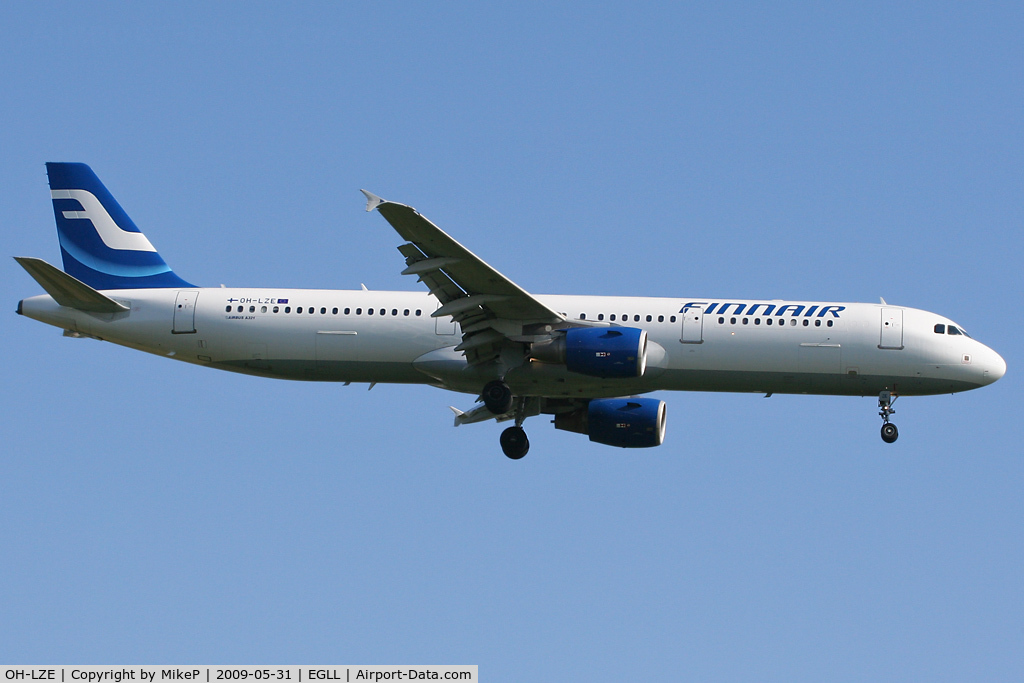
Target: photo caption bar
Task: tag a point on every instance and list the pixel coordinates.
(225, 674)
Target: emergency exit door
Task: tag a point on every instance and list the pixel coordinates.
(444, 325)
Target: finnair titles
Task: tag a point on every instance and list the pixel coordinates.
(584, 360)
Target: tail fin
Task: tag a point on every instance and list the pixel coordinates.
(100, 244)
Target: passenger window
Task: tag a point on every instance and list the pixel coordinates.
(239, 309)
(732, 321)
(334, 311)
(793, 322)
(406, 312)
(767, 321)
(324, 310)
(721, 321)
(952, 330)
(806, 323)
(940, 329)
(672, 319)
(600, 316)
(263, 309)
(829, 323)
(817, 323)
(757, 321)
(347, 311)
(636, 318)
(359, 311)
(648, 318)
(661, 318)
(611, 317)
(418, 311)
(583, 316)
(227, 310)
(383, 312)
(287, 309)
(299, 309)
(312, 310)
(369, 311)
(746, 320)
(276, 309)
(394, 311)
(252, 309)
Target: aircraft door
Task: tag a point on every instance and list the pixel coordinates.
(693, 325)
(185, 312)
(892, 329)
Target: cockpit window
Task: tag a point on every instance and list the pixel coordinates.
(940, 329)
(952, 330)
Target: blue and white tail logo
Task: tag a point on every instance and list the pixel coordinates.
(100, 244)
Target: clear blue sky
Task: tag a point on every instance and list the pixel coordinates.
(155, 512)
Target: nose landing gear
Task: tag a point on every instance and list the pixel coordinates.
(885, 401)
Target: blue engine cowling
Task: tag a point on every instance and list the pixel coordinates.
(627, 422)
(622, 422)
(606, 352)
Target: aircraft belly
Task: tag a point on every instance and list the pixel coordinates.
(331, 371)
(767, 381)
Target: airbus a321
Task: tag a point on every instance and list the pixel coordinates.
(584, 360)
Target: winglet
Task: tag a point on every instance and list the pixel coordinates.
(372, 200)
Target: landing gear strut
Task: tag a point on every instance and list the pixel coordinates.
(885, 401)
(514, 443)
(497, 397)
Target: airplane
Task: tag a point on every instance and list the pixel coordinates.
(583, 360)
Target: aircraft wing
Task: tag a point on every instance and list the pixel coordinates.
(491, 309)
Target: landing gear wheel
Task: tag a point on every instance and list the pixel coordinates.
(889, 432)
(514, 443)
(497, 397)
(885, 411)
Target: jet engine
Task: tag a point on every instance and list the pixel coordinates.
(606, 352)
(622, 422)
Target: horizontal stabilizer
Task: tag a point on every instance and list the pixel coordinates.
(66, 290)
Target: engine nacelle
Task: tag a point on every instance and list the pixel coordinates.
(622, 422)
(606, 352)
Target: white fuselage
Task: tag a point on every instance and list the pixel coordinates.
(369, 336)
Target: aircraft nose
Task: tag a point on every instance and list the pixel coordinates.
(994, 366)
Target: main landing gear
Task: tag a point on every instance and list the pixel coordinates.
(885, 401)
(514, 443)
(497, 396)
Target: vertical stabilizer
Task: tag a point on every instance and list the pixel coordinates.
(99, 243)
